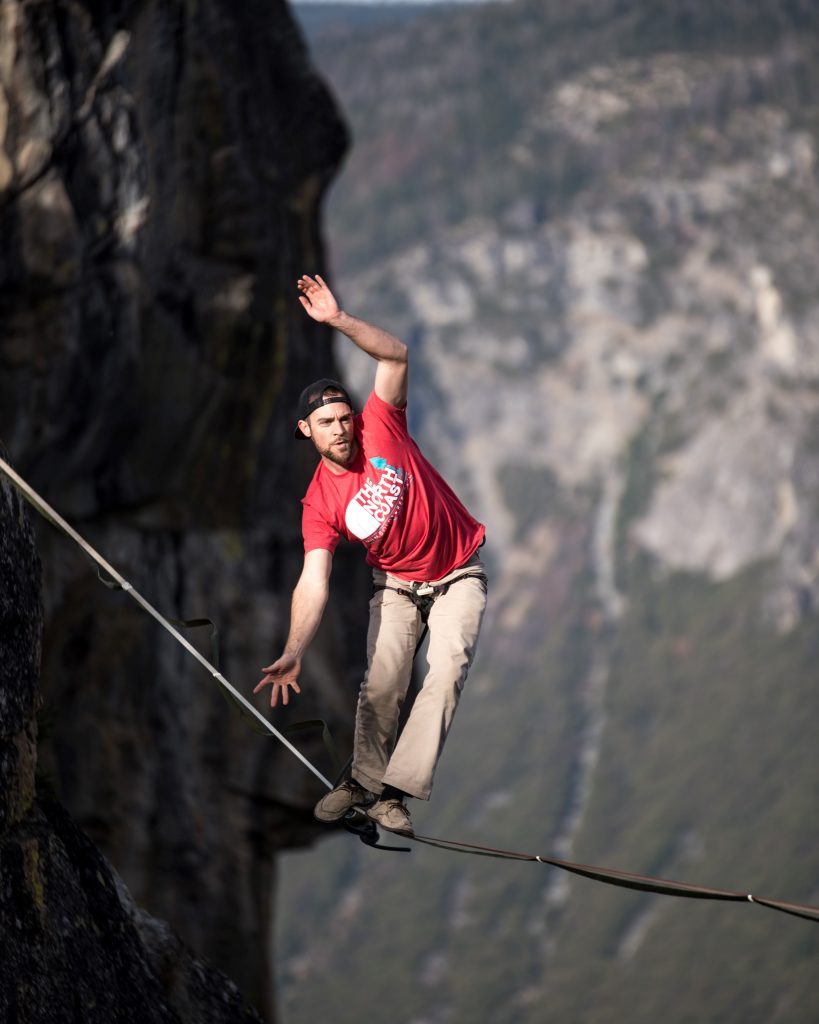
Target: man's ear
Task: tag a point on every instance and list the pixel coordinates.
(304, 427)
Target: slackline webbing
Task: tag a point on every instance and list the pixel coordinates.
(53, 517)
(625, 879)
(367, 831)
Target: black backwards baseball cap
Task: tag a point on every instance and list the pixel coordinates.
(315, 395)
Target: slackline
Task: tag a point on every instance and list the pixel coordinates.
(625, 879)
(366, 830)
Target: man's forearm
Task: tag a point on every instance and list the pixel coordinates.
(375, 341)
(306, 610)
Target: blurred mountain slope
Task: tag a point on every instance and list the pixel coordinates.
(594, 224)
(452, 117)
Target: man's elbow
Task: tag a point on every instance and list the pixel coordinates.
(400, 353)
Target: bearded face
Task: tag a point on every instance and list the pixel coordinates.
(331, 429)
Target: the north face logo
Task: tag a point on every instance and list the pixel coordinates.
(377, 503)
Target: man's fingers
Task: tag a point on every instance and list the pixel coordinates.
(278, 677)
(283, 689)
(267, 680)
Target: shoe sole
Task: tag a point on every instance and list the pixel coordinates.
(328, 819)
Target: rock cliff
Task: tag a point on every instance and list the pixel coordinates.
(162, 169)
(72, 943)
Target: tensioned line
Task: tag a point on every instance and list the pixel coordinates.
(46, 510)
(628, 880)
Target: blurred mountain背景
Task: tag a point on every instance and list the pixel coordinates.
(595, 225)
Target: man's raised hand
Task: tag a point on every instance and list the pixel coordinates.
(317, 298)
(281, 675)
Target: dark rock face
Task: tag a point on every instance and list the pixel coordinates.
(21, 620)
(162, 167)
(72, 944)
(162, 194)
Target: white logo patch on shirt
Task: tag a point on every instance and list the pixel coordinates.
(377, 503)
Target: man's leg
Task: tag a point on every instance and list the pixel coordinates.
(454, 625)
(395, 626)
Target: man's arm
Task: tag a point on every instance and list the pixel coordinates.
(385, 348)
(309, 599)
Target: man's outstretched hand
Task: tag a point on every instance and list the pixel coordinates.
(281, 675)
(317, 298)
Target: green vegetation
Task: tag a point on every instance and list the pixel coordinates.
(711, 735)
(706, 774)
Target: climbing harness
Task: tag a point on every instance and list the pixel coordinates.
(424, 595)
(356, 821)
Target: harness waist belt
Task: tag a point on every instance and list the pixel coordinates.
(424, 595)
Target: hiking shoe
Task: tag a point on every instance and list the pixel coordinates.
(335, 804)
(391, 815)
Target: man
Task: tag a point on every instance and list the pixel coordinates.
(372, 484)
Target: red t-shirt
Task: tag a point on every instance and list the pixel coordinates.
(392, 500)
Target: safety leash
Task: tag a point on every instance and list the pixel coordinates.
(56, 519)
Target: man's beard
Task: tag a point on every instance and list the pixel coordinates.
(340, 454)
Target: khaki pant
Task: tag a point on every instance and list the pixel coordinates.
(395, 628)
